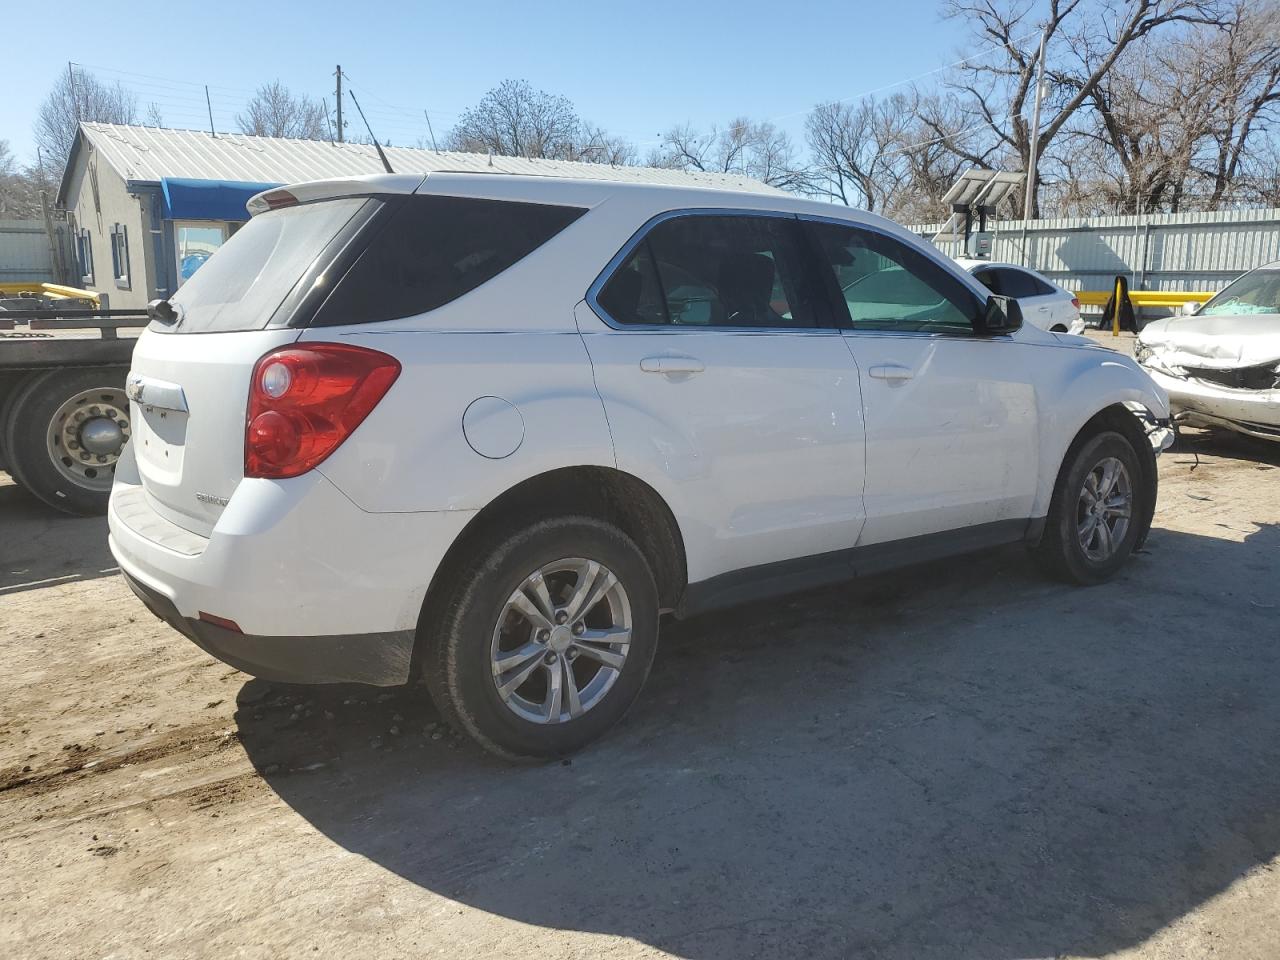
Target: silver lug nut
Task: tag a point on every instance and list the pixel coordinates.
(572, 654)
(550, 658)
(562, 617)
(579, 628)
(544, 636)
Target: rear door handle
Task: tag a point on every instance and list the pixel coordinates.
(891, 371)
(669, 366)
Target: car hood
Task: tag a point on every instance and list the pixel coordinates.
(1220, 342)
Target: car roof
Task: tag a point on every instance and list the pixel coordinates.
(574, 191)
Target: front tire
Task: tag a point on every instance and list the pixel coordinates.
(1095, 518)
(542, 638)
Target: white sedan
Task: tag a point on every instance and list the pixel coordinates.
(1221, 364)
(1044, 303)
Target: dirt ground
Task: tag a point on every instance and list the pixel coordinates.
(962, 761)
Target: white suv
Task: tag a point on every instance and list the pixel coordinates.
(482, 430)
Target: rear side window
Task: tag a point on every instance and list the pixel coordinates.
(713, 271)
(1019, 283)
(243, 284)
(432, 250)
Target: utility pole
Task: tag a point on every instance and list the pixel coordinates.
(75, 101)
(430, 131)
(338, 73)
(1034, 138)
(209, 103)
(1033, 149)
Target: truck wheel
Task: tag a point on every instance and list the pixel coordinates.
(64, 433)
(544, 638)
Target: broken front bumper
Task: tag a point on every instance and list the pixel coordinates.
(1252, 412)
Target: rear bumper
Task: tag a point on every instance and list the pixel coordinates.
(323, 591)
(380, 659)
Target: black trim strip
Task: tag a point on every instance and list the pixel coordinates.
(825, 569)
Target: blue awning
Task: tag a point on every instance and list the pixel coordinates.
(208, 199)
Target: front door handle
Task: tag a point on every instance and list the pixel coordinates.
(891, 372)
(672, 366)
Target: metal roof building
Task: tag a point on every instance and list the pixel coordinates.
(148, 205)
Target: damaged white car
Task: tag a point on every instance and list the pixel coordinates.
(1221, 364)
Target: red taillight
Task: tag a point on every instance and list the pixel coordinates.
(1075, 302)
(304, 401)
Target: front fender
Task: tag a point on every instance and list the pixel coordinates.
(1092, 380)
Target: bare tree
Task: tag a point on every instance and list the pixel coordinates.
(78, 95)
(1246, 95)
(754, 149)
(595, 145)
(1187, 121)
(857, 150)
(1084, 40)
(275, 111)
(514, 119)
(19, 189)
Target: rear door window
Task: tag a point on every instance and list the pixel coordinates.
(243, 284)
(432, 250)
(714, 271)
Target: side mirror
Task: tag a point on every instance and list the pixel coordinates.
(1191, 308)
(1002, 315)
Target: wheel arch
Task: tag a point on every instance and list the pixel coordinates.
(605, 493)
(1121, 419)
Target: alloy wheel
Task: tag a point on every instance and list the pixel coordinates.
(561, 641)
(1104, 509)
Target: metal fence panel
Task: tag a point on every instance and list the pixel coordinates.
(24, 251)
(1184, 252)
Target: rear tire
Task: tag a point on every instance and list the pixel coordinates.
(483, 636)
(41, 415)
(1095, 516)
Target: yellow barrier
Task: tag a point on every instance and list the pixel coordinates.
(53, 291)
(1143, 298)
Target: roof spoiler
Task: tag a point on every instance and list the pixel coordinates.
(313, 190)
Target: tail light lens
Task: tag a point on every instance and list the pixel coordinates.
(304, 401)
(1075, 302)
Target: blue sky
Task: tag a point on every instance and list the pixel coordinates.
(635, 68)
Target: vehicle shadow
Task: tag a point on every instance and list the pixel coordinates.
(959, 761)
(39, 545)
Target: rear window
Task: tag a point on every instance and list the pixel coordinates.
(432, 250)
(243, 284)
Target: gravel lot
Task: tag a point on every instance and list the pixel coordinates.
(961, 761)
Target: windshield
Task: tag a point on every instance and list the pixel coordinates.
(243, 283)
(1257, 292)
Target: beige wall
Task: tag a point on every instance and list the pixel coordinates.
(98, 211)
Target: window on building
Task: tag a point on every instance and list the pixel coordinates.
(120, 254)
(196, 243)
(84, 255)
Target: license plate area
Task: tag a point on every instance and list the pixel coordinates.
(160, 443)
